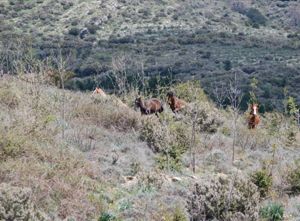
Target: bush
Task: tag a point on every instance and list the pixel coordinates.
(109, 113)
(9, 96)
(263, 181)
(256, 17)
(177, 215)
(15, 204)
(169, 140)
(293, 180)
(224, 198)
(106, 217)
(227, 65)
(74, 31)
(238, 6)
(272, 212)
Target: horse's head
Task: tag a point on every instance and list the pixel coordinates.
(170, 96)
(138, 102)
(254, 109)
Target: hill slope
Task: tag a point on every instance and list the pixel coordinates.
(203, 40)
(85, 157)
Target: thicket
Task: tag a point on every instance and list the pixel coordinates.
(224, 198)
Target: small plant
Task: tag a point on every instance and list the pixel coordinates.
(263, 181)
(106, 217)
(177, 215)
(272, 212)
(293, 180)
(74, 31)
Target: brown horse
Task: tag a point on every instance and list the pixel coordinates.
(253, 119)
(175, 103)
(151, 106)
(99, 91)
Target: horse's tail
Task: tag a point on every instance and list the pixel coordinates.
(161, 108)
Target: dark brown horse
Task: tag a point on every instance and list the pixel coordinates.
(253, 119)
(151, 106)
(175, 103)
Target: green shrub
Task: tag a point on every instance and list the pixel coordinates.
(106, 217)
(256, 17)
(170, 140)
(263, 181)
(190, 91)
(293, 180)
(272, 212)
(227, 65)
(224, 198)
(74, 31)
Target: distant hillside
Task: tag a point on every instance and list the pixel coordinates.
(206, 40)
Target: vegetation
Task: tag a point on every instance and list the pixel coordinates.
(263, 181)
(67, 154)
(224, 198)
(272, 212)
(169, 46)
(294, 180)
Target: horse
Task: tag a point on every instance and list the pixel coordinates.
(150, 106)
(253, 119)
(175, 103)
(100, 92)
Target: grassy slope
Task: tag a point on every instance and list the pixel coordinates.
(77, 177)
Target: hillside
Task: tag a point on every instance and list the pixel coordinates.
(71, 156)
(178, 39)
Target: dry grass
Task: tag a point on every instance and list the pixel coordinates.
(101, 165)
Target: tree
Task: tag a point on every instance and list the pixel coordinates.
(235, 97)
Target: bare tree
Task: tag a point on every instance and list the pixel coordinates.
(61, 63)
(119, 72)
(235, 98)
(220, 93)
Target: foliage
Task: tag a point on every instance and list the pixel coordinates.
(293, 180)
(256, 17)
(106, 217)
(292, 106)
(16, 204)
(9, 96)
(272, 212)
(224, 198)
(177, 215)
(190, 91)
(263, 181)
(74, 31)
(170, 140)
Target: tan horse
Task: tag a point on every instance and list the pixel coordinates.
(175, 103)
(100, 92)
(151, 106)
(253, 119)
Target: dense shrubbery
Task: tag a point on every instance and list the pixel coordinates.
(15, 204)
(224, 198)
